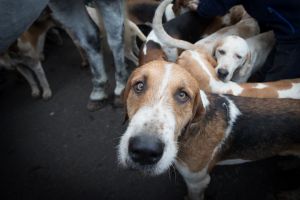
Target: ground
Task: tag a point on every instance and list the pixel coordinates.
(56, 149)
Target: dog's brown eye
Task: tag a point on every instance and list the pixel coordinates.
(238, 56)
(139, 87)
(222, 52)
(182, 96)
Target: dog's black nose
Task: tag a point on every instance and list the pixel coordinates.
(145, 149)
(222, 73)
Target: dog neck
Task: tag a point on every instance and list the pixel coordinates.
(241, 128)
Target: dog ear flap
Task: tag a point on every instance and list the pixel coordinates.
(219, 43)
(124, 99)
(198, 108)
(246, 66)
(197, 112)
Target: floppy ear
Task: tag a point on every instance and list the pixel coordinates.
(211, 60)
(125, 96)
(219, 43)
(197, 112)
(245, 68)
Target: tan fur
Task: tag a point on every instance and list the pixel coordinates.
(271, 91)
(152, 74)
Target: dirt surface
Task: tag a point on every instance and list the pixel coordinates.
(57, 149)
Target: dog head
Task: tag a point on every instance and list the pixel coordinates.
(161, 100)
(231, 53)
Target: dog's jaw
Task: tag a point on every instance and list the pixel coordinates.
(147, 119)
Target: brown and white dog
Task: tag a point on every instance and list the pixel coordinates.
(202, 66)
(173, 122)
(28, 53)
(238, 58)
(245, 26)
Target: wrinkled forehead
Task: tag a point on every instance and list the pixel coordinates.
(164, 76)
(235, 44)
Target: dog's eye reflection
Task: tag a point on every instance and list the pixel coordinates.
(138, 87)
(182, 97)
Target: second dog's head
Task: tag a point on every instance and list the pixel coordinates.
(161, 100)
(232, 54)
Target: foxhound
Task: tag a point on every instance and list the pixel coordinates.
(173, 122)
(238, 58)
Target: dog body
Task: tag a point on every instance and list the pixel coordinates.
(28, 53)
(245, 28)
(202, 66)
(238, 59)
(172, 121)
(179, 39)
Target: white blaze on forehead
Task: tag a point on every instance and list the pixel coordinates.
(217, 86)
(204, 99)
(156, 118)
(293, 92)
(165, 80)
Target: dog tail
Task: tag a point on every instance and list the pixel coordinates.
(162, 34)
(136, 29)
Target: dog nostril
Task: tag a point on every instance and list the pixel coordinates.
(145, 150)
(222, 73)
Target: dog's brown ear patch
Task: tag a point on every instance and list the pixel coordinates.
(198, 108)
(125, 97)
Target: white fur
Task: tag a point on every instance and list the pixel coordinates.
(216, 85)
(232, 46)
(170, 52)
(196, 181)
(293, 92)
(233, 112)
(260, 86)
(154, 114)
(204, 99)
(169, 12)
(253, 51)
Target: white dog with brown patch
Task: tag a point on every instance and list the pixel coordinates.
(172, 121)
(238, 58)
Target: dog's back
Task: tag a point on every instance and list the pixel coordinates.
(266, 127)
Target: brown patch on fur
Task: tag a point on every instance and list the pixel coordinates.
(154, 52)
(197, 146)
(36, 29)
(215, 25)
(237, 13)
(152, 75)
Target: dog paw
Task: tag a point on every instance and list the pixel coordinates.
(35, 92)
(47, 94)
(94, 105)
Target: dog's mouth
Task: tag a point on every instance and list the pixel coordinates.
(147, 153)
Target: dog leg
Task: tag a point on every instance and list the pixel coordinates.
(112, 12)
(38, 70)
(35, 91)
(196, 181)
(73, 16)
